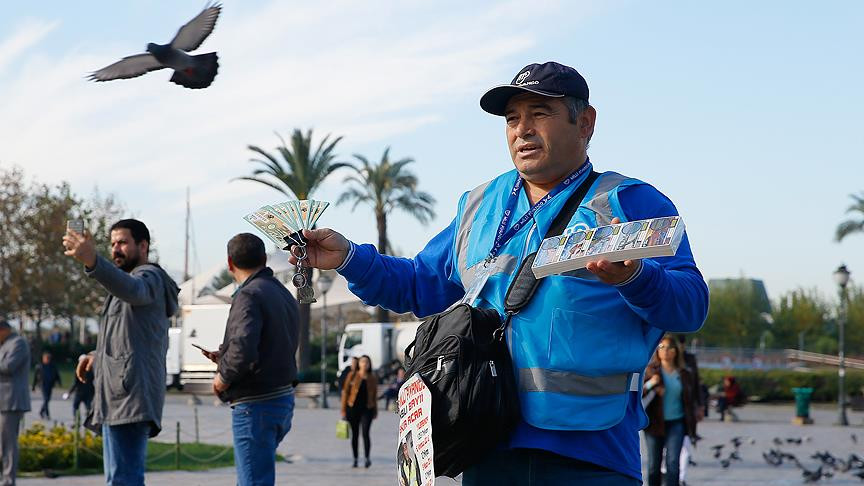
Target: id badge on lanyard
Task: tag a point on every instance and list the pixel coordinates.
(487, 268)
(491, 266)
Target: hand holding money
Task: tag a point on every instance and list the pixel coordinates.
(325, 250)
(80, 247)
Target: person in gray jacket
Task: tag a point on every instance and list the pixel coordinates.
(129, 361)
(256, 366)
(14, 397)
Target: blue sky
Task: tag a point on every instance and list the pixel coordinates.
(746, 114)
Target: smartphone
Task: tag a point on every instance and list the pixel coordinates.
(202, 349)
(75, 225)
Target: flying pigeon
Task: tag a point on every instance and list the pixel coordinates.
(192, 72)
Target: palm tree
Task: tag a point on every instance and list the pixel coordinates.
(298, 174)
(851, 226)
(387, 186)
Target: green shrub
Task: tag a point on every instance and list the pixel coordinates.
(776, 385)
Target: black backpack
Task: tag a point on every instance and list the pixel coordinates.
(462, 357)
(470, 377)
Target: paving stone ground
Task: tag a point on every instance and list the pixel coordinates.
(318, 458)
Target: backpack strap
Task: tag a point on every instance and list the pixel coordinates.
(525, 284)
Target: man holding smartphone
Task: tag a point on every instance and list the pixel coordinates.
(257, 369)
(129, 361)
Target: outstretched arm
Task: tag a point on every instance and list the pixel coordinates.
(423, 285)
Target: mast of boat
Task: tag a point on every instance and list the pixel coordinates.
(186, 258)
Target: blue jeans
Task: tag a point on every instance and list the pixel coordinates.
(124, 452)
(530, 467)
(672, 442)
(258, 429)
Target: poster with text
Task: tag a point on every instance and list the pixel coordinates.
(414, 457)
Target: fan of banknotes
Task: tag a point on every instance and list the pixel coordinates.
(282, 222)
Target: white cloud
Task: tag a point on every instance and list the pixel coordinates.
(28, 34)
(368, 71)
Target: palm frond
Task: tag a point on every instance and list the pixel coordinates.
(299, 172)
(847, 228)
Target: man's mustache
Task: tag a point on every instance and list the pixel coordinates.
(119, 255)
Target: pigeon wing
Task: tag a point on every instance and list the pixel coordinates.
(128, 67)
(191, 35)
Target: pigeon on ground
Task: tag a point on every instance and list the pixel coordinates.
(192, 72)
(717, 448)
(772, 457)
(812, 476)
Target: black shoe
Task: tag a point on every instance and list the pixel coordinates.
(368, 463)
(355, 463)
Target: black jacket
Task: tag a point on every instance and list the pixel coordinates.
(257, 352)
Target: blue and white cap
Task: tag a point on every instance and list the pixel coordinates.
(547, 79)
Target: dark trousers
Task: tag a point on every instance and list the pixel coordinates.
(77, 401)
(46, 397)
(530, 467)
(672, 443)
(360, 419)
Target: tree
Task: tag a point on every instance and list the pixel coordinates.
(855, 321)
(13, 196)
(222, 280)
(298, 174)
(37, 281)
(799, 313)
(736, 313)
(387, 186)
(851, 226)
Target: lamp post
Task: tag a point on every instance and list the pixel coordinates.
(841, 277)
(324, 282)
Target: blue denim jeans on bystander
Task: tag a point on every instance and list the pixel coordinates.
(124, 452)
(258, 429)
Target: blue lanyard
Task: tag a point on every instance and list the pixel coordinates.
(503, 235)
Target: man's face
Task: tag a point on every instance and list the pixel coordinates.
(544, 145)
(125, 253)
(46, 358)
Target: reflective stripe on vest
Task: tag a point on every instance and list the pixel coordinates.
(569, 383)
(600, 202)
(472, 203)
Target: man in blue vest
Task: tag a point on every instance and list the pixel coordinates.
(580, 346)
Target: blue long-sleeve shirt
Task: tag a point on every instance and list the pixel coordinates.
(668, 293)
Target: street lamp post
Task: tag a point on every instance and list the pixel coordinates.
(324, 282)
(841, 277)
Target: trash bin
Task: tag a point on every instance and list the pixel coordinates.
(802, 406)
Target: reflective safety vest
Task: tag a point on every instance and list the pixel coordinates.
(578, 349)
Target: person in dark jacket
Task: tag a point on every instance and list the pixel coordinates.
(14, 397)
(48, 377)
(82, 392)
(256, 365)
(732, 397)
(701, 394)
(672, 412)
